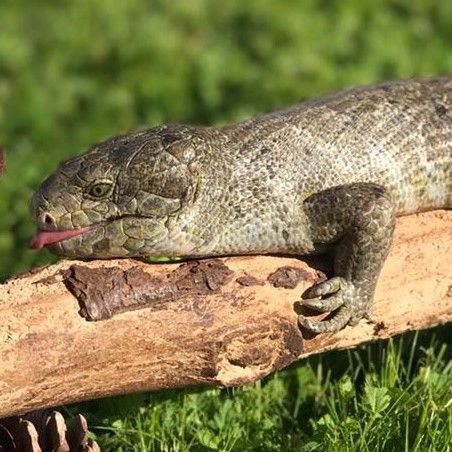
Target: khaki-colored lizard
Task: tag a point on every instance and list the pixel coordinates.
(332, 172)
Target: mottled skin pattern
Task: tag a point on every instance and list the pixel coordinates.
(332, 171)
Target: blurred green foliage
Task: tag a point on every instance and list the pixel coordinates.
(75, 72)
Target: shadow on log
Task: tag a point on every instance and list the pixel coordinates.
(81, 330)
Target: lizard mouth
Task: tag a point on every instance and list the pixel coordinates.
(44, 238)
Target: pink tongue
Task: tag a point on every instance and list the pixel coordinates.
(43, 238)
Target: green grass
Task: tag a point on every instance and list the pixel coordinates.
(389, 396)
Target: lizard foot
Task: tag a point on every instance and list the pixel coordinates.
(338, 296)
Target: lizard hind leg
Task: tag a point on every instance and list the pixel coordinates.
(360, 219)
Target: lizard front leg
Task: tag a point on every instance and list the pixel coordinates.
(359, 218)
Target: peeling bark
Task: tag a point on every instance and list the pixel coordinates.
(216, 322)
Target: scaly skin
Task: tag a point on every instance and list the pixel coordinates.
(335, 170)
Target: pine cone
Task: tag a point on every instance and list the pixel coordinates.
(45, 430)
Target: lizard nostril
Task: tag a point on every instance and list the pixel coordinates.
(48, 220)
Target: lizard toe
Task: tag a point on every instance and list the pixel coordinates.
(336, 323)
(324, 304)
(327, 287)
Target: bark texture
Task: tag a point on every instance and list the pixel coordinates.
(80, 330)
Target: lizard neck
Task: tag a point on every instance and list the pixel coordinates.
(242, 203)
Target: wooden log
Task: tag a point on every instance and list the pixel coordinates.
(216, 322)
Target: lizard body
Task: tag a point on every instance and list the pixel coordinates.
(333, 171)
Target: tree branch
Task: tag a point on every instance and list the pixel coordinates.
(217, 322)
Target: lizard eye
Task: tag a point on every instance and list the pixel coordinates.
(100, 189)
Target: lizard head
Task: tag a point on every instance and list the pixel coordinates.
(117, 198)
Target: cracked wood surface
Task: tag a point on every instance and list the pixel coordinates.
(216, 322)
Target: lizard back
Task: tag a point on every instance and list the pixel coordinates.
(397, 134)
